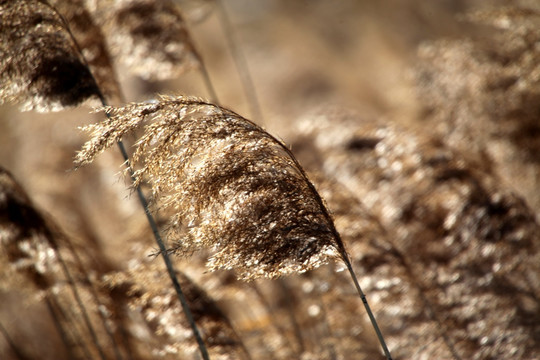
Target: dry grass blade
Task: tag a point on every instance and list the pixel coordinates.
(149, 37)
(40, 65)
(230, 186)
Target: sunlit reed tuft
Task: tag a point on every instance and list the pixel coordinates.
(230, 185)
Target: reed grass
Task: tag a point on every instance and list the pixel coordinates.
(446, 248)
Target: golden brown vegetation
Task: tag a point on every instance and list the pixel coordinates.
(430, 180)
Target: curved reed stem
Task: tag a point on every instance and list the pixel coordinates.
(368, 309)
(344, 257)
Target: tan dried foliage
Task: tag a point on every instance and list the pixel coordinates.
(43, 271)
(40, 65)
(482, 93)
(469, 245)
(146, 287)
(230, 186)
(393, 293)
(91, 42)
(149, 37)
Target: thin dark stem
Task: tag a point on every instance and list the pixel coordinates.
(207, 82)
(19, 353)
(84, 313)
(344, 256)
(241, 63)
(368, 308)
(144, 203)
(94, 295)
(289, 307)
(56, 312)
(166, 259)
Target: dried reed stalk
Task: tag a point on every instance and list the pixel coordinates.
(40, 66)
(229, 185)
(54, 47)
(33, 13)
(241, 64)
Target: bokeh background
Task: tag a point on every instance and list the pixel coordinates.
(418, 122)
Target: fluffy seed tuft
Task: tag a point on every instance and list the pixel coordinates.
(229, 185)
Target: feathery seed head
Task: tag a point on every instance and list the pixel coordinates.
(230, 186)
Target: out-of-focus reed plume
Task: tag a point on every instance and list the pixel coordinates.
(43, 267)
(467, 244)
(91, 41)
(149, 37)
(40, 64)
(481, 93)
(146, 288)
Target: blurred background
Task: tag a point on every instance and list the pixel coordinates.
(418, 122)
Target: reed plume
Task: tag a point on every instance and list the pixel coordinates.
(40, 65)
(480, 92)
(91, 43)
(148, 37)
(230, 186)
(461, 239)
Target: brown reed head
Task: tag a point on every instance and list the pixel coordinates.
(148, 37)
(40, 65)
(91, 42)
(229, 185)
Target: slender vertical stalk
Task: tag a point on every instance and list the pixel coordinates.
(154, 227)
(84, 313)
(56, 312)
(241, 64)
(289, 307)
(19, 353)
(166, 259)
(343, 253)
(207, 81)
(278, 327)
(95, 296)
(368, 308)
